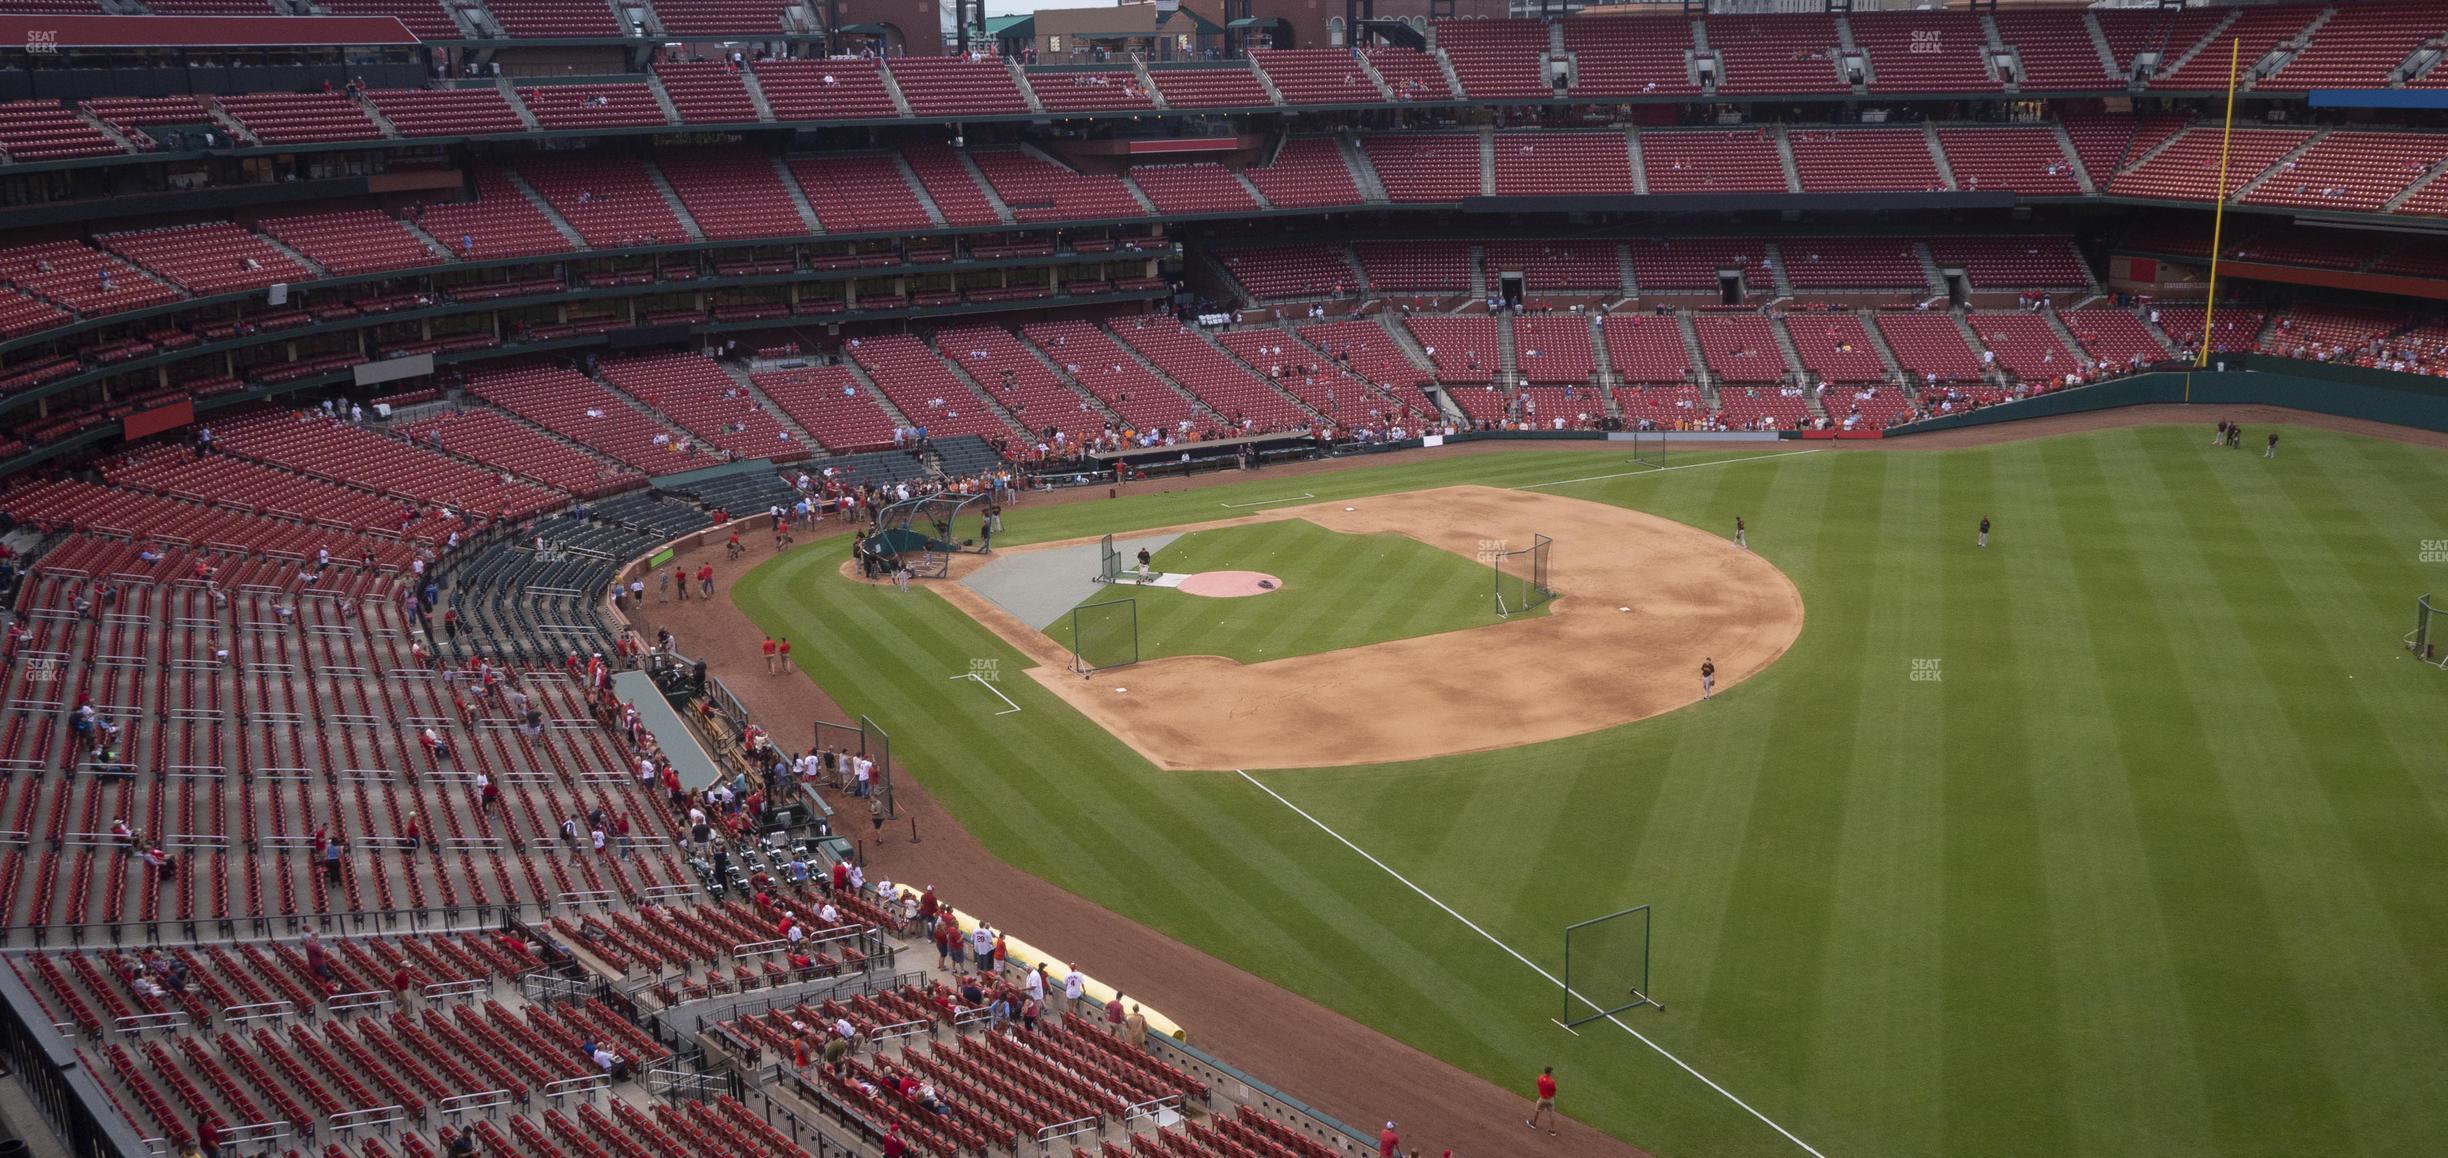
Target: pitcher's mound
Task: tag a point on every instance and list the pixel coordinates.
(1229, 584)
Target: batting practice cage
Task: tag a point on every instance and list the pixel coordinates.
(1104, 635)
(1606, 967)
(925, 532)
(1521, 577)
(1109, 561)
(2430, 623)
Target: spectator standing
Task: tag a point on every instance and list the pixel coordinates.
(1543, 1106)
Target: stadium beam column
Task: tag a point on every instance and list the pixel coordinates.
(1355, 14)
(960, 24)
(1235, 30)
(2218, 217)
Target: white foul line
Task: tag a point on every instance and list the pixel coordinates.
(1664, 469)
(1270, 502)
(998, 692)
(1491, 939)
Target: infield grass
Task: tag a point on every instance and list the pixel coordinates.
(2157, 864)
(1339, 590)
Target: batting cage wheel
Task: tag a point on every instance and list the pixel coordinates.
(2430, 623)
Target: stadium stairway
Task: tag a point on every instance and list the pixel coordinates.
(1878, 342)
(969, 164)
(2065, 143)
(756, 95)
(917, 187)
(560, 224)
(798, 196)
(671, 199)
(1364, 174)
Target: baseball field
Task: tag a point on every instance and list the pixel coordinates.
(2126, 834)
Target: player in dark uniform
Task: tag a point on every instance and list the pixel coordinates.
(1984, 534)
(2272, 452)
(1739, 539)
(1708, 678)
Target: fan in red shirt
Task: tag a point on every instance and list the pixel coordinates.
(1544, 1106)
(1388, 1141)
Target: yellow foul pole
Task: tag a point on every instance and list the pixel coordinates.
(2218, 220)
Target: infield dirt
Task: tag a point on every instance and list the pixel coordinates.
(1641, 601)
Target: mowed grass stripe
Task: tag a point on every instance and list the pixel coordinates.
(1887, 868)
(2243, 999)
(1778, 913)
(2348, 808)
(2120, 1002)
(2004, 1054)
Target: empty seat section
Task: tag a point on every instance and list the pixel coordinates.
(1036, 189)
(1425, 166)
(550, 18)
(1291, 271)
(731, 194)
(706, 92)
(1928, 343)
(130, 115)
(1835, 348)
(949, 184)
(582, 410)
(1694, 264)
(2025, 344)
(593, 106)
(1853, 263)
(500, 223)
(1229, 86)
(2021, 158)
(1740, 348)
(2231, 328)
(2188, 168)
(2259, 29)
(1646, 349)
(353, 241)
(1307, 172)
(2329, 333)
(2130, 33)
(1531, 164)
(2017, 263)
(344, 451)
(1317, 76)
(1204, 187)
(1553, 348)
(2056, 51)
(1371, 351)
(1409, 75)
(22, 313)
(2351, 170)
(1631, 56)
(1462, 347)
(1496, 59)
(446, 112)
(497, 440)
(1924, 51)
(829, 403)
(610, 201)
(1103, 368)
(836, 89)
(49, 131)
(860, 193)
(211, 258)
(1863, 160)
(1003, 367)
(1343, 397)
(1079, 91)
(1549, 266)
(1712, 161)
(716, 17)
(1416, 266)
(694, 393)
(1776, 54)
(2113, 336)
(1244, 401)
(283, 118)
(2110, 142)
(924, 390)
(427, 18)
(937, 86)
(82, 278)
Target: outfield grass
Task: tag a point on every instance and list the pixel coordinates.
(2158, 864)
(1338, 591)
